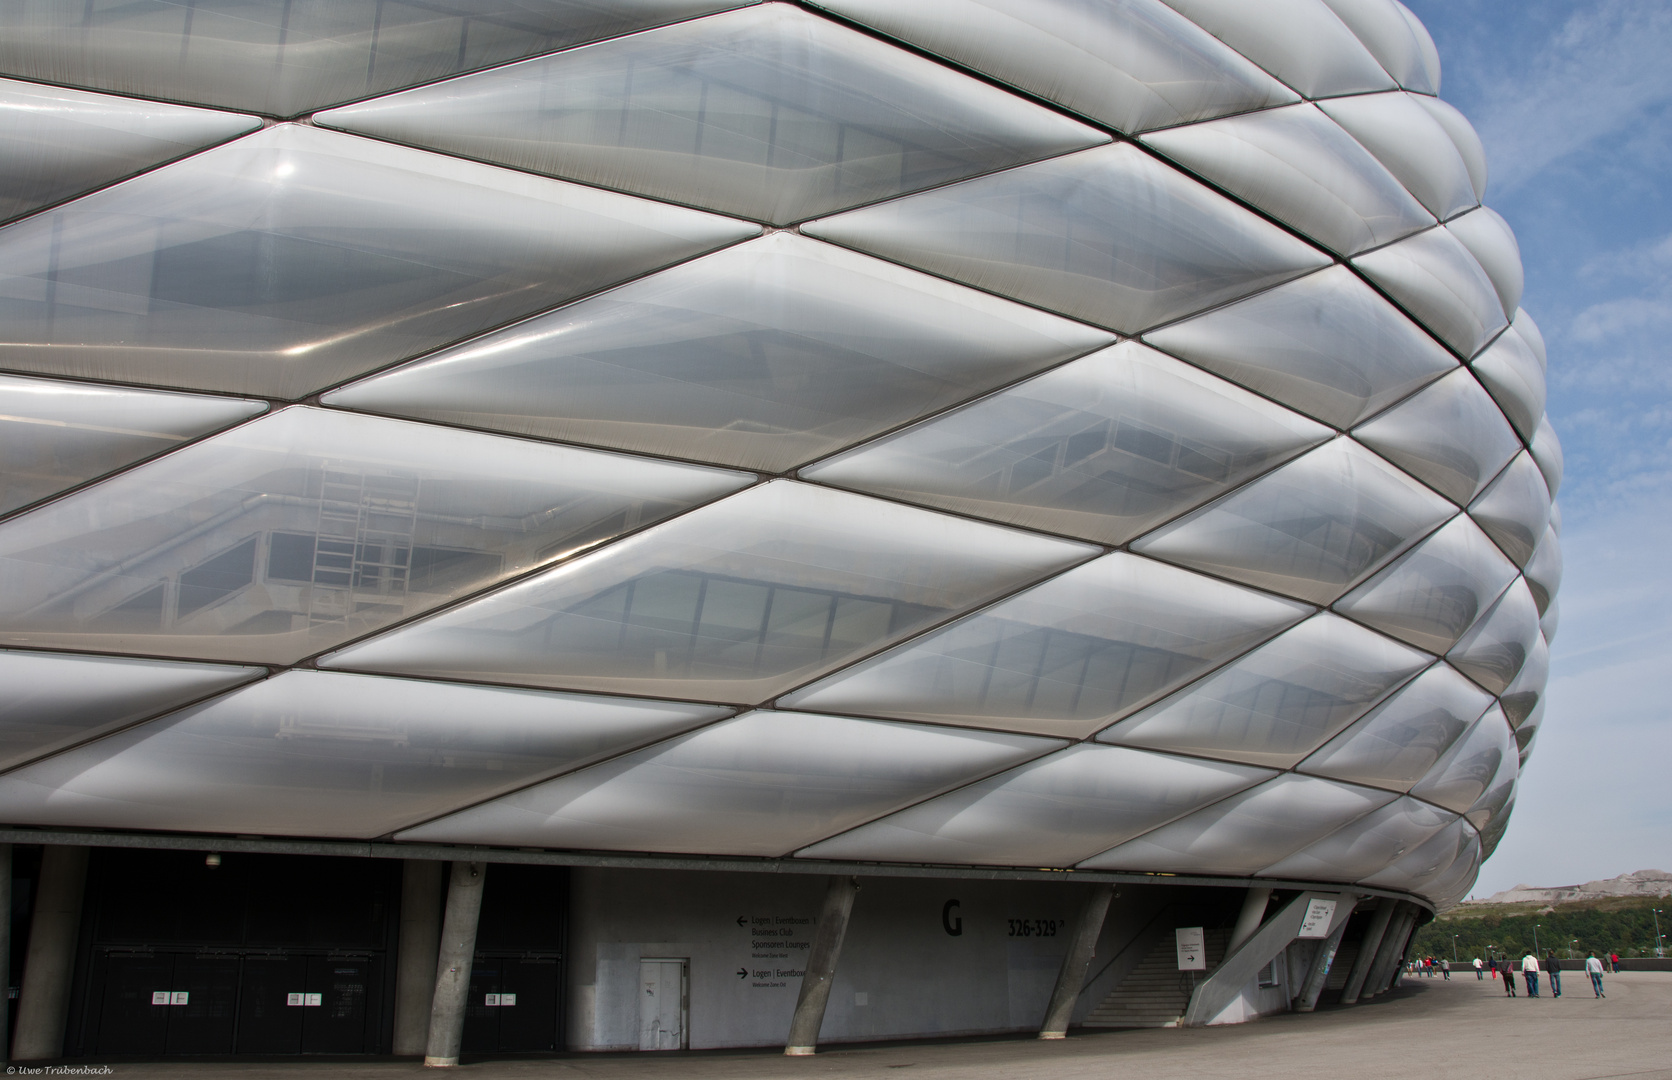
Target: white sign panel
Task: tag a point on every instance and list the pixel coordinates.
(1319, 914)
(159, 997)
(293, 999)
(180, 997)
(491, 1000)
(1192, 946)
(507, 1000)
(312, 999)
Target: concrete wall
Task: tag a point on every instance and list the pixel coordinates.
(901, 975)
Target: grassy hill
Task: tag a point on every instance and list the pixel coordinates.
(1624, 925)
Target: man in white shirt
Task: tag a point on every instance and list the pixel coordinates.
(1593, 968)
(1529, 971)
(1480, 970)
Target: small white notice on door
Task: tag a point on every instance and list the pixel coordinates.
(1319, 914)
(506, 1000)
(1192, 946)
(293, 999)
(490, 999)
(313, 999)
(180, 997)
(159, 997)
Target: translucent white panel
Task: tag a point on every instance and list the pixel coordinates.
(1524, 694)
(767, 113)
(766, 784)
(1326, 345)
(1550, 620)
(1555, 514)
(1300, 167)
(1532, 335)
(312, 753)
(1450, 436)
(1132, 64)
(1400, 740)
(1500, 789)
(1496, 648)
(1064, 657)
(297, 257)
(1525, 735)
(1544, 571)
(1103, 448)
(1367, 845)
(1299, 41)
(1414, 146)
(55, 435)
(1425, 41)
(306, 528)
(1384, 29)
(1465, 138)
(764, 355)
(55, 699)
(1463, 775)
(1547, 453)
(1110, 236)
(1435, 591)
(1515, 509)
(1491, 241)
(738, 601)
(1280, 702)
(1310, 530)
(1451, 885)
(1427, 861)
(1051, 812)
(1510, 370)
(1248, 831)
(1433, 276)
(56, 143)
(291, 58)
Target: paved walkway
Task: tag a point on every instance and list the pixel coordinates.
(1428, 1028)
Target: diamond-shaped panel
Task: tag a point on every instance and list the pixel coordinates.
(737, 601)
(1400, 740)
(295, 258)
(765, 355)
(766, 113)
(1281, 701)
(307, 528)
(763, 784)
(1109, 236)
(1065, 657)
(1299, 41)
(1515, 509)
(1309, 530)
(1326, 345)
(1414, 146)
(1433, 276)
(1050, 812)
(1499, 644)
(1450, 436)
(1103, 448)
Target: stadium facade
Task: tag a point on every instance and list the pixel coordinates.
(687, 523)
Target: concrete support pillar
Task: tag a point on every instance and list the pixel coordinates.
(1392, 947)
(1071, 978)
(44, 1003)
(1401, 942)
(452, 969)
(5, 942)
(1370, 951)
(1307, 999)
(1253, 913)
(821, 966)
(415, 960)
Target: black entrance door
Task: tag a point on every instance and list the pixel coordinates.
(269, 1016)
(132, 1020)
(513, 1004)
(334, 1015)
(204, 1000)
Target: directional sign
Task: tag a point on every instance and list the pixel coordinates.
(1319, 914)
(743, 973)
(1192, 946)
(741, 921)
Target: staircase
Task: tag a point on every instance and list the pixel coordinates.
(1341, 967)
(1156, 993)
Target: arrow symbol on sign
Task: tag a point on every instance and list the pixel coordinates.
(743, 973)
(740, 920)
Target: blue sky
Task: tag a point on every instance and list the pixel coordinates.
(1574, 103)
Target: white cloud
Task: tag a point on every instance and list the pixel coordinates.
(1603, 69)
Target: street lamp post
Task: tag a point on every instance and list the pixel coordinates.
(1535, 938)
(1454, 948)
(1660, 948)
(1571, 944)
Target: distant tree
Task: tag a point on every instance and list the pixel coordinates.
(1626, 927)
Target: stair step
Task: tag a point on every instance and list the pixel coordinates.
(1155, 993)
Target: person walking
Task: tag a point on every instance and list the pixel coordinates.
(1479, 974)
(1529, 971)
(1445, 970)
(1593, 968)
(1509, 977)
(1553, 967)
(1613, 962)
